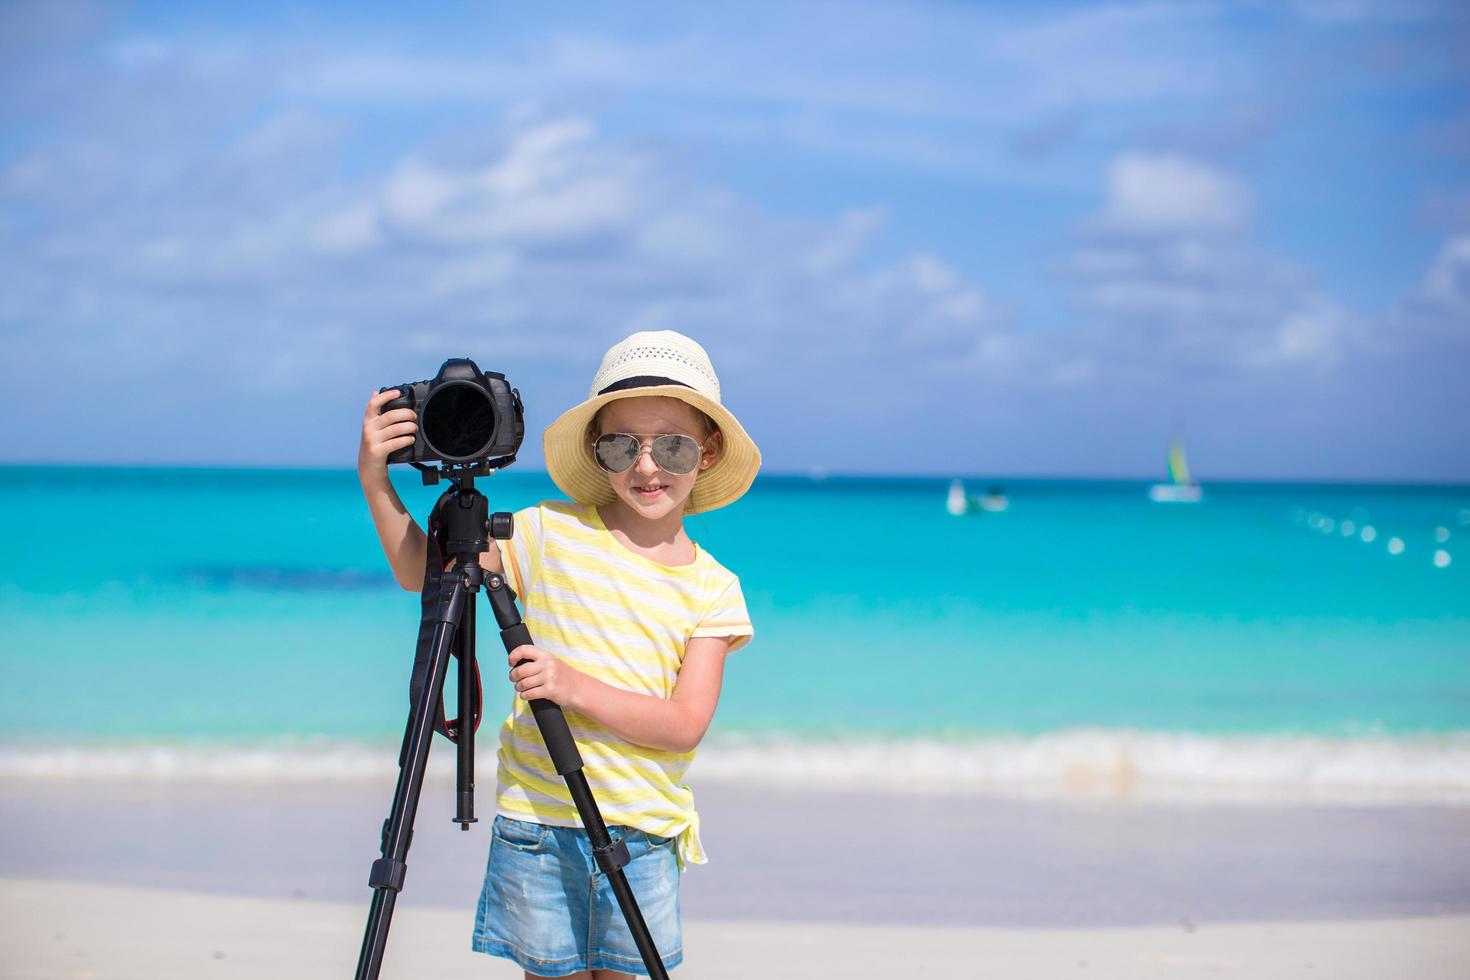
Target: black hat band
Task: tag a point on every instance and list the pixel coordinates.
(642, 381)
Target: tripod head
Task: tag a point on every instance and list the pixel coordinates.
(464, 510)
(461, 474)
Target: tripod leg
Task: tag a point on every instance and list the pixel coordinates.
(611, 856)
(388, 871)
(464, 813)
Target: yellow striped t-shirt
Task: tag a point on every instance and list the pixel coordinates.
(626, 620)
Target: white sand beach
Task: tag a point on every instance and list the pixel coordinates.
(164, 880)
(57, 930)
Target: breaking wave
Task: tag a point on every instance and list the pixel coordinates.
(1119, 764)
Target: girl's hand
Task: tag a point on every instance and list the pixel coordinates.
(381, 434)
(542, 675)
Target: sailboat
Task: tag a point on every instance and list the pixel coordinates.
(957, 503)
(1180, 489)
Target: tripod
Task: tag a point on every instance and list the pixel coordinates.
(449, 630)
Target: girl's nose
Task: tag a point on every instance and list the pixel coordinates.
(645, 464)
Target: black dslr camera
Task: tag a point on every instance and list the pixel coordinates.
(465, 415)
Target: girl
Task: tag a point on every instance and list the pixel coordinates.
(632, 622)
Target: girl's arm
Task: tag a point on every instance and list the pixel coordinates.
(675, 724)
(402, 539)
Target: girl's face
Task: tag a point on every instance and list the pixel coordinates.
(644, 488)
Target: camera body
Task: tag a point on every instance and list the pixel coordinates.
(465, 415)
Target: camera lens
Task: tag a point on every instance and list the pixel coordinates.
(458, 421)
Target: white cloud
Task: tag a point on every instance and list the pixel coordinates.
(852, 233)
(395, 76)
(551, 232)
(928, 89)
(354, 228)
(1116, 53)
(549, 183)
(291, 132)
(1172, 194)
(1313, 336)
(1438, 310)
(1171, 285)
(1447, 283)
(171, 214)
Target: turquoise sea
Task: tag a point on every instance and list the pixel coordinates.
(188, 622)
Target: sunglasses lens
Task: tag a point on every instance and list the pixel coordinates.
(616, 451)
(676, 454)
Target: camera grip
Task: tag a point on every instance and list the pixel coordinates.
(404, 399)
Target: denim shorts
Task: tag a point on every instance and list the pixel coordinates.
(547, 906)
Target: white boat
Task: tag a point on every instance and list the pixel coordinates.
(959, 503)
(956, 503)
(1180, 489)
(1172, 493)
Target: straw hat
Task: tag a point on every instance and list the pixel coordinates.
(651, 363)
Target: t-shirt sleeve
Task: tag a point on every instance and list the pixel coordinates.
(522, 553)
(727, 616)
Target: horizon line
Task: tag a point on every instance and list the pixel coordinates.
(813, 475)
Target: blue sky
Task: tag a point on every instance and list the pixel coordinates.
(915, 238)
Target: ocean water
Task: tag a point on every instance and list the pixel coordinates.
(1264, 643)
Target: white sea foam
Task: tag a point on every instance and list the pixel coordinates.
(1077, 764)
(171, 762)
(1121, 764)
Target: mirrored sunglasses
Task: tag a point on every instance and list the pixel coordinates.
(616, 452)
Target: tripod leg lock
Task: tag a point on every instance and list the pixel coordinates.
(388, 873)
(612, 856)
